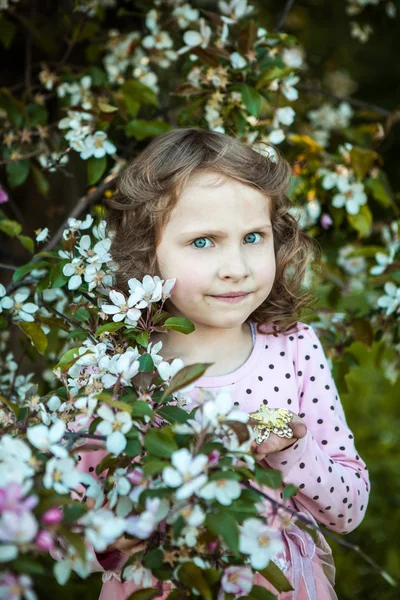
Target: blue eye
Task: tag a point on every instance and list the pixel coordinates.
(254, 233)
(202, 245)
(200, 240)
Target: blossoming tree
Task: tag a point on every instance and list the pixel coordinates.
(173, 479)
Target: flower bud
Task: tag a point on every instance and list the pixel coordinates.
(52, 516)
(44, 540)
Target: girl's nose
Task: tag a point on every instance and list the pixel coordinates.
(233, 264)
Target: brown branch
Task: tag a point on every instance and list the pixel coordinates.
(287, 7)
(326, 532)
(354, 101)
(23, 157)
(82, 205)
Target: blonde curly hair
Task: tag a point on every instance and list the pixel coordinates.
(148, 189)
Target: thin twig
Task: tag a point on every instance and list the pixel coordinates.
(323, 530)
(82, 205)
(10, 267)
(68, 320)
(284, 14)
(354, 101)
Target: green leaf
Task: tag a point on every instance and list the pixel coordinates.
(41, 181)
(95, 169)
(218, 475)
(144, 594)
(142, 129)
(69, 358)
(17, 172)
(57, 277)
(108, 327)
(36, 334)
(143, 339)
(362, 159)
(27, 243)
(275, 576)
(133, 448)
(153, 466)
(153, 559)
(146, 363)
(7, 31)
(28, 565)
(141, 408)
(12, 108)
(224, 525)
(22, 271)
(289, 491)
(75, 539)
(268, 477)
(104, 397)
(252, 99)
(179, 324)
(82, 314)
(192, 576)
(260, 593)
(184, 377)
(362, 221)
(11, 228)
(173, 414)
(139, 92)
(13, 407)
(380, 189)
(93, 425)
(73, 512)
(160, 442)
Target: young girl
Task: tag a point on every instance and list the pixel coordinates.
(208, 210)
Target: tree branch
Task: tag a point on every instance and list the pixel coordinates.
(354, 101)
(82, 205)
(287, 7)
(327, 533)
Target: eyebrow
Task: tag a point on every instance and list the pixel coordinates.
(222, 234)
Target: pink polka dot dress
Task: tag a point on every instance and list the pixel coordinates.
(291, 371)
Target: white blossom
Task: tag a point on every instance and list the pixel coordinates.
(97, 145)
(42, 234)
(223, 490)
(61, 475)
(47, 438)
(114, 427)
(143, 294)
(102, 528)
(259, 541)
(391, 301)
(351, 196)
(122, 308)
(168, 370)
(186, 473)
(24, 310)
(185, 15)
(143, 525)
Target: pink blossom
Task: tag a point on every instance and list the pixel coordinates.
(212, 546)
(213, 458)
(11, 499)
(237, 580)
(3, 195)
(136, 476)
(326, 221)
(52, 516)
(44, 540)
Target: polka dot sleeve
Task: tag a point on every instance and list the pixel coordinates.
(88, 459)
(332, 479)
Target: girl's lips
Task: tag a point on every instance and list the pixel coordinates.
(231, 299)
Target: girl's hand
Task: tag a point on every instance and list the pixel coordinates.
(275, 443)
(127, 546)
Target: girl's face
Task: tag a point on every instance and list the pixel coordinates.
(218, 240)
